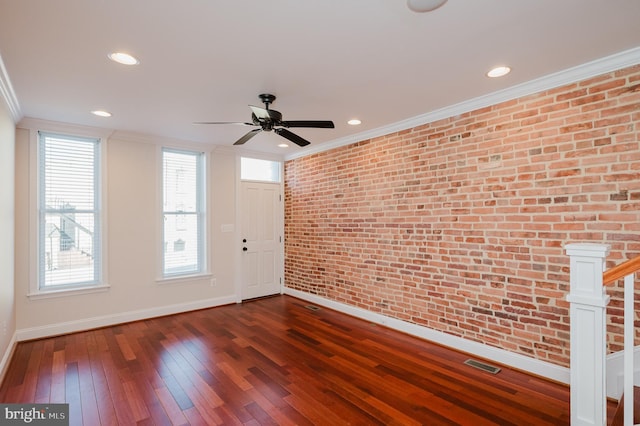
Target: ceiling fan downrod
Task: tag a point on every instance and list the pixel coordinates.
(267, 99)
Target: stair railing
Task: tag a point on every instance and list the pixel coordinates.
(627, 270)
(588, 302)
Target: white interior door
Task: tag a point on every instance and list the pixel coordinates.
(261, 239)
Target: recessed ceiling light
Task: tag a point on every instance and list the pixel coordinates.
(283, 145)
(123, 58)
(354, 122)
(498, 71)
(101, 113)
(422, 6)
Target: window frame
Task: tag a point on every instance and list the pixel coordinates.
(71, 132)
(200, 213)
(278, 163)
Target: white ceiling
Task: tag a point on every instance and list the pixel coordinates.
(206, 60)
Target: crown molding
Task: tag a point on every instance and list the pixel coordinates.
(8, 94)
(585, 71)
(36, 124)
(136, 137)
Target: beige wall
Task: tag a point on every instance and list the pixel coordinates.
(7, 301)
(133, 237)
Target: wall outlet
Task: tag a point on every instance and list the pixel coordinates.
(213, 282)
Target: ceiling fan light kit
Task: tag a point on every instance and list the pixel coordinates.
(271, 120)
(422, 6)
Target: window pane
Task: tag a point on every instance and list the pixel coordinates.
(181, 242)
(183, 212)
(180, 182)
(69, 240)
(69, 174)
(261, 170)
(68, 249)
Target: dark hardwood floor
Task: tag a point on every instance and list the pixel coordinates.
(271, 361)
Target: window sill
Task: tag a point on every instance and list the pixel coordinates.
(182, 279)
(50, 294)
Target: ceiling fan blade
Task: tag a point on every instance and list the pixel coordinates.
(247, 136)
(318, 124)
(292, 137)
(224, 122)
(266, 114)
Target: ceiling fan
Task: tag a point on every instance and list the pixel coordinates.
(270, 119)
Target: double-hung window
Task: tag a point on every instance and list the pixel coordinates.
(69, 220)
(183, 213)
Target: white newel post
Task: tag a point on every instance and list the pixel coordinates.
(588, 333)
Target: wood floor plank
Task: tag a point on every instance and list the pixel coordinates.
(88, 401)
(235, 376)
(337, 404)
(96, 375)
(58, 376)
(16, 374)
(278, 408)
(31, 381)
(178, 393)
(135, 401)
(194, 418)
(115, 387)
(72, 393)
(123, 343)
(316, 413)
(271, 361)
(174, 412)
(43, 386)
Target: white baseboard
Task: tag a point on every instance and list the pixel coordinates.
(108, 320)
(615, 372)
(517, 361)
(6, 358)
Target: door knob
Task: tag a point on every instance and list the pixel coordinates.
(244, 240)
(244, 249)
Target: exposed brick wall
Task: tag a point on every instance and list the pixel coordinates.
(459, 225)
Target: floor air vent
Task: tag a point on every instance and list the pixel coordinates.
(312, 308)
(482, 366)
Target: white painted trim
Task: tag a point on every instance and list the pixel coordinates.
(237, 244)
(571, 75)
(510, 359)
(124, 317)
(615, 372)
(162, 141)
(588, 332)
(245, 152)
(36, 124)
(6, 358)
(8, 94)
(183, 279)
(73, 291)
